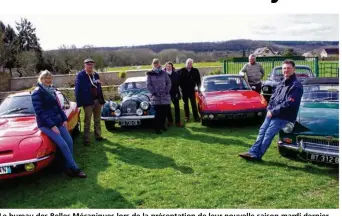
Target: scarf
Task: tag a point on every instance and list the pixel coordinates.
(169, 72)
(50, 89)
(157, 70)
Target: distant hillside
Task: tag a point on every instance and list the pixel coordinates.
(234, 46)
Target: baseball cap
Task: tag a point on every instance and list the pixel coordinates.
(89, 60)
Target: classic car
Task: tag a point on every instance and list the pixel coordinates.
(315, 134)
(24, 149)
(134, 107)
(223, 97)
(268, 86)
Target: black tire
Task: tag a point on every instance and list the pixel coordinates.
(77, 129)
(287, 153)
(205, 122)
(110, 125)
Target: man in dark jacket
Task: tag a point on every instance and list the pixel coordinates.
(89, 95)
(190, 78)
(281, 110)
(174, 93)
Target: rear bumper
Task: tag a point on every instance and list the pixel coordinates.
(121, 118)
(301, 148)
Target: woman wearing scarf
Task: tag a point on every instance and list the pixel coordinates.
(174, 93)
(52, 121)
(159, 84)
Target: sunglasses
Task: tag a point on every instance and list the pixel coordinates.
(89, 63)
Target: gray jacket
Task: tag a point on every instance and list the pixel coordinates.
(159, 84)
(254, 72)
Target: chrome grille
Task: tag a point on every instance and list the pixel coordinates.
(129, 107)
(326, 143)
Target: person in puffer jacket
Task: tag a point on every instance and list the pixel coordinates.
(159, 85)
(282, 109)
(52, 121)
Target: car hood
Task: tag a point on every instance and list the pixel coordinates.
(136, 97)
(233, 100)
(21, 126)
(319, 119)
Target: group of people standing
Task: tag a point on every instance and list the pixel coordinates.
(168, 85)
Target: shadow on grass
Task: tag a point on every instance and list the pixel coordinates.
(145, 158)
(52, 189)
(308, 168)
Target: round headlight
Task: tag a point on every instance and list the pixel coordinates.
(113, 105)
(265, 88)
(144, 105)
(117, 112)
(211, 116)
(288, 127)
(139, 112)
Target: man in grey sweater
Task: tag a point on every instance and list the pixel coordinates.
(254, 73)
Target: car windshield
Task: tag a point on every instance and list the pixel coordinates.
(321, 93)
(300, 72)
(133, 88)
(224, 83)
(19, 105)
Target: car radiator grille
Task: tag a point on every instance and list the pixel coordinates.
(320, 143)
(129, 107)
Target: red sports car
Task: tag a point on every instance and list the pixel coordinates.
(24, 149)
(223, 97)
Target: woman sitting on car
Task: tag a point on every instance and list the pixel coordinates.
(52, 121)
(159, 84)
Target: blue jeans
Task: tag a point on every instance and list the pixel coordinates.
(64, 143)
(267, 132)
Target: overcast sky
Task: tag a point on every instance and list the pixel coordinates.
(128, 30)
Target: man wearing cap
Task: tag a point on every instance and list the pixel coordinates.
(89, 95)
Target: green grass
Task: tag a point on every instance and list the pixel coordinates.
(191, 167)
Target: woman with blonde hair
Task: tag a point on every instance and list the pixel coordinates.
(52, 121)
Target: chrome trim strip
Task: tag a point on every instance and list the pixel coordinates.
(24, 162)
(127, 118)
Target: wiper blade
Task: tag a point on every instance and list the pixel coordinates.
(13, 110)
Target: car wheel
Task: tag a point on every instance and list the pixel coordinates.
(110, 125)
(287, 153)
(205, 122)
(77, 128)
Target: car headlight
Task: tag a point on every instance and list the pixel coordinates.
(113, 105)
(265, 88)
(288, 127)
(140, 112)
(117, 112)
(144, 105)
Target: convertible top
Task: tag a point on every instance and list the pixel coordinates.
(321, 80)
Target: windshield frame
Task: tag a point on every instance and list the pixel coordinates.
(317, 99)
(243, 81)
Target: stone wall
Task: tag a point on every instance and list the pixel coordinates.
(67, 80)
(5, 81)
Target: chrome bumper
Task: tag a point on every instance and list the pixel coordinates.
(17, 163)
(118, 118)
(301, 148)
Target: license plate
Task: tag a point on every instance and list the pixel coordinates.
(130, 123)
(5, 170)
(323, 158)
(235, 116)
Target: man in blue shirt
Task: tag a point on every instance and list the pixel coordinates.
(281, 110)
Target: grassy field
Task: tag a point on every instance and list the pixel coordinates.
(326, 68)
(191, 167)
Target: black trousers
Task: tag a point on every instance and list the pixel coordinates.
(257, 87)
(177, 112)
(160, 116)
(186, 97)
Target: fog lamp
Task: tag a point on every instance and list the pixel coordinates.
(288, 127)
(29, 167)
(140, 112)
(211, 116)
(117, 112)
(259, 113)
